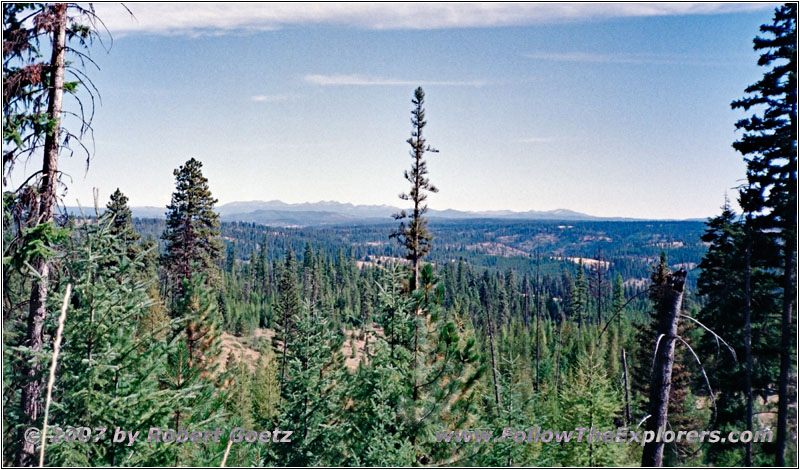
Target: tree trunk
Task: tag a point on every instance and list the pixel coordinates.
(627, 388)
(31, 389)
(786, 345)
(748, 448)
(489, 327)
(668, 310)
(538, 314)
(558, 355)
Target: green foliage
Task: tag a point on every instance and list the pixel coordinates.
(312, 401)
(108, 369)
(38, 242)
(194, 376)
(589, 401)
(191, 236)
(414, 236)
(722, 283)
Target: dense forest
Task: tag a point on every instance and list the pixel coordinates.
(366, 340)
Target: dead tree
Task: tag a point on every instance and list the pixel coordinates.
(627, 388)
(669, 308)
(31, 390)
(490, 331)
(598, 283)
(538, 314)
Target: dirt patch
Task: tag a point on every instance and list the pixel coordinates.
(356, 337)
(497, 249)
(240, 349)
(587, 262)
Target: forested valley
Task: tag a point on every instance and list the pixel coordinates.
(365, 340)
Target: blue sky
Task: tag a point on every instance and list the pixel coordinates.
(612, 110)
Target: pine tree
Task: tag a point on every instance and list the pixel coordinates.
(769, 145)
(122, 227)
(414, 236)
(376, 433)
(311, 394)
(722, 283)
(288, 308)
(192, 233)
(33, 105)
(266, 389)
(618, 299)
(194, 376)
(443, 369)
(108, 368)
(598, 284)
(580, 297)
(588, 400)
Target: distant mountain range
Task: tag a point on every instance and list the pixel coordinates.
(331, 213)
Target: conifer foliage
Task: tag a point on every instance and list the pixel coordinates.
(414, 235)
(191, 237)
(769, 145)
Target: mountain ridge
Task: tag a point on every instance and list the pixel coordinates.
(276, 212)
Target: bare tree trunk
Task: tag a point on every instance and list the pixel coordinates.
(537, 348)
(538, 314)
(627, 388)
(31, 389)
(283, 354)
(526, 302)
(748, 448)
(538, 292)
(558, 355)
(668, 310)
(490, 328)
(786, 345)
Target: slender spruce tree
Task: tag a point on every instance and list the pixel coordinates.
(288, 309)
(122, 226)
(414, 235)
(769, 145)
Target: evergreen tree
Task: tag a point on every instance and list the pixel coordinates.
(108, 369)
(33, 106)
(618, 299)
(442, 370)
(312, 400)
(194, 376)
(722, 283)
(769, 145)
(580, 297)
(376, 433)
(266, 389)
(414, 236)
(192, 233)
(122, 226)
(589, 401)
(288, 309)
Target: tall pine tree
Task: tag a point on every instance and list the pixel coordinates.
(192, 233)
(414, 235)
(769, 145)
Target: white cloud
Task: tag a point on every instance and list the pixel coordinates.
(221, 18)
(358, 80)
(627, 58)
(535, 140)
(269, 98)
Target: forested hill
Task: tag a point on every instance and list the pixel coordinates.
(631, 247)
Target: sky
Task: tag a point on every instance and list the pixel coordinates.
(616, 110)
